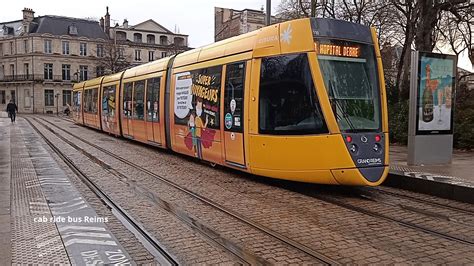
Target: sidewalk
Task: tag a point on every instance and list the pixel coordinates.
(44, 219)
(453, 181)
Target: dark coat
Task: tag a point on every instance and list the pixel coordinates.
(12, 108)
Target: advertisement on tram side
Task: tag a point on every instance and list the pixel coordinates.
(436, 90)
(196, 105)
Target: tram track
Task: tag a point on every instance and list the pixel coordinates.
(411, 208)
(412, 225)
(321, 258)
(150, 243)
(429, 202)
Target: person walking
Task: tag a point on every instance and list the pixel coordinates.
(12, 109)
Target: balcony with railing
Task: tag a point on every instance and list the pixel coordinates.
(36, 78)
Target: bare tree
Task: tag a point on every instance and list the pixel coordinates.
(113, 58)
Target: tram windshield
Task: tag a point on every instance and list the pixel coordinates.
(350, 76)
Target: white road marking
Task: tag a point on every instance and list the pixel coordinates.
(89, 242)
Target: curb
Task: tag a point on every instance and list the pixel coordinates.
(435, 185)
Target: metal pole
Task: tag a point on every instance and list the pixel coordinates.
(269, 13)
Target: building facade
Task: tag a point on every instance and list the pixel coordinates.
(41, 57)
(230, 22)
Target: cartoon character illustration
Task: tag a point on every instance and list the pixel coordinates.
(200, 127)
(192, 130)
(105, 111)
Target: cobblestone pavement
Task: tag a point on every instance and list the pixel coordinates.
(189, 246)
(35, 242)
(344, 235)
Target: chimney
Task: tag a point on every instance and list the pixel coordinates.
(101, 23)
(125, 23)
(28, 16)
(107, 22)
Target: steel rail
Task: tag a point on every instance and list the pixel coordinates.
(301, 247)
(151, 244)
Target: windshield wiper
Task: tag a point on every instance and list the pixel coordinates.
(338, 105)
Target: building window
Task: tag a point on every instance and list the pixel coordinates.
(1, 49)
(83, 49)
(26, 68)
(150, 38)
(2, 97)
(179, 41)
(100, 71)
(100, 50)
(66, 72)
(151, 55)
(48, 71)
(121, 36)
(67, 100)
(137, 37)
(163, 54)
(65, 48)
(12, 70)
(25, 46)
(11, 48)
(48, 97)
(82, 73)
(163, 40)
(138, 55)
(48, 46)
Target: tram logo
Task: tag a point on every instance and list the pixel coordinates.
(286, 35)
(369, 161)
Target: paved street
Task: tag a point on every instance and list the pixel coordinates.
(258, 220)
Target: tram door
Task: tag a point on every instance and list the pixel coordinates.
(233, 114)
(127, 110)
(153, 110)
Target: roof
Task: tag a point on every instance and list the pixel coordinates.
(12, 27)
(56, 25)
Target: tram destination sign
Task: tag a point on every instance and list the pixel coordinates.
(338, 50)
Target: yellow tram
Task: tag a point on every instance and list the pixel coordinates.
(302, 100)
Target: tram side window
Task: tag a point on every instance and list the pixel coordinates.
(153, 99)
(108, 101)
(233, 98)
(95, 98)
(88, 101)
(138, 100)
(288, 104)
(127, 100)
(76, 101)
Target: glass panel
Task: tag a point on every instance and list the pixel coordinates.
(95, 98)
(351, 82)
(197, 98)
(127, 100)
(234, 96)
(138, 100)
(108, 101)
(153, 99)
(288, 103)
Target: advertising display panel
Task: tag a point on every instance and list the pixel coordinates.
(435, 93)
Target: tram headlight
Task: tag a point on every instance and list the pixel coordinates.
(377, 148)
(353, 148)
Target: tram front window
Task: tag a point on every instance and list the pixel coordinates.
(350, 77)
(288, 103)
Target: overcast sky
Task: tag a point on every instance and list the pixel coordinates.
(192, 17)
